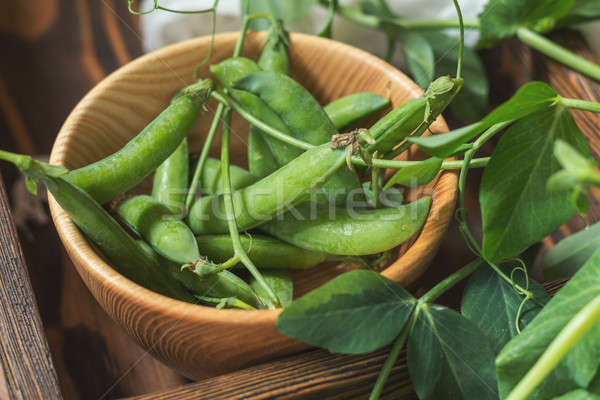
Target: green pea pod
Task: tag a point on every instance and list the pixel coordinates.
(282, 152)
(350, 109)
(264, 251)
(304, 117)
(413, 117)
(221, 285)
(261, 161)
(171, 179)
(111, 239)
(272, 195)
(170, 237)
(396, 125)
(265, 154)
(114, 175)
(211, 182)
(350, 232)
(280, 281)
(232, 69)
(274, 56)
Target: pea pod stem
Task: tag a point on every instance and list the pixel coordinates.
(356, 160)
(559, 53)
(568, 337)
(229, 210)
(210, 137)
(577, 104)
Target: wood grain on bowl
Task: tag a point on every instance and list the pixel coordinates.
(196, 340)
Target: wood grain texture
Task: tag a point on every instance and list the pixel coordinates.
(197, 340)
(24, 350)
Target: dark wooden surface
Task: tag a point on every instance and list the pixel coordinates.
(54, 51)
(24, 351)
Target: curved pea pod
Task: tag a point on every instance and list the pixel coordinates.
(351, 233)
(232, 69)
(171, 179)
(396, 125)
(152, 220)
(350, 109)
(110, 238)
(261, 161)
(274, 56)
(270, 196)
(221, 285)
(211, 182)
(282, 152)
(114, 175)
(304, 117)
(264, 251)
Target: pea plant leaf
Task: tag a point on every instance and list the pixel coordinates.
(416, 175)
(565, 259)
(449, 357)
(500, 19)
(357, 312)
(530, 98)
(578, 367)
(419, 57)
(582, 11)
(492, 304)
(516, 209)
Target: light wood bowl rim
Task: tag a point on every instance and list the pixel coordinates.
(82, 254)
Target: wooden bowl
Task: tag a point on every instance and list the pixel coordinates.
(201, 341)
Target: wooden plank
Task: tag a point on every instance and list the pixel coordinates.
(316, 374)
(27, 368)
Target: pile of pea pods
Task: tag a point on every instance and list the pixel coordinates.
(191, 237)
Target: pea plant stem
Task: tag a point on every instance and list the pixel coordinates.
(392, 358)
(462, 210)
(577, 104)
(581, 323)
(559, 53)
(210, 137)
(461, 43)
(450, 281)
(371, 21)
(356, 160)
(230, 213)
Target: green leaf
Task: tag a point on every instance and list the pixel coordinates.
(419, 57)
(530, 98)
(280, 280)
(449, 357)
(582, 11)
(471, 103)
(500, 19)
(417, 175)
(357, 312)
(579, 394)
(578, 367)
(565, 259)
(492, 304)
(516, 209)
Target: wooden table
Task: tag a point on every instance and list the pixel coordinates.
(54, 51)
